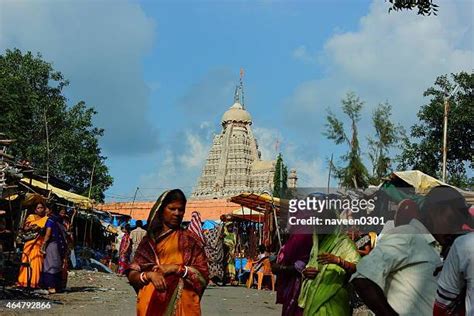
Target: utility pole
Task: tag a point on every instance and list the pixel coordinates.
(133, 202)
(445, 130)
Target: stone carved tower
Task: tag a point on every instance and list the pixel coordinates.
(233, 164)
(292, 179)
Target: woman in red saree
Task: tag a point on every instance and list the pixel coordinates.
(169, 269)
(125, 251)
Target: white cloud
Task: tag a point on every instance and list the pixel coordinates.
(392, 57)
(167, 169)
(311, 173)
(181, 162)
(196, 153)
(99, 46)
(267, 139)
(301, 53)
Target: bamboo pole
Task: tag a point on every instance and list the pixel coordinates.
(47, 147)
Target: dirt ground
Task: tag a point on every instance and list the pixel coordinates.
(96, 293)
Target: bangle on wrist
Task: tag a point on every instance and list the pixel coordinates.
(144, 278)
(185, 271)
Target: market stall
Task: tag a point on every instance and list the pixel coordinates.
(267, 208)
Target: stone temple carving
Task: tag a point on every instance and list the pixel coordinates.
(233, 164)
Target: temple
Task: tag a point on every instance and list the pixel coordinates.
(234, 162)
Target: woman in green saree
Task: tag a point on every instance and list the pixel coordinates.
(325, 287)
(230, 242)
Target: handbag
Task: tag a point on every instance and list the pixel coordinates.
(25, 236)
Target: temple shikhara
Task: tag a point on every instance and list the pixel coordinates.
(234, 162)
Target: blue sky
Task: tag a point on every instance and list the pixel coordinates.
(162, 73)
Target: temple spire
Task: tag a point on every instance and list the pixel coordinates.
(242, 87)
(236, 95)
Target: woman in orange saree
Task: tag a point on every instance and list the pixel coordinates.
(32, 249)
(169, 269)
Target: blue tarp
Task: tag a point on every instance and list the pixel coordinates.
(133, 222)
(208, 224)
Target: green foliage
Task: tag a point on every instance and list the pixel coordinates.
(32, 97)
(425, 152)
(425, 7)
(353, 173)
(387, 135)
(280, 178)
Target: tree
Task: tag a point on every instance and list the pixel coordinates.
(425, 151)
(32, 104)
(387, 135)
(280, 178)
(425, 7)
(354, 173)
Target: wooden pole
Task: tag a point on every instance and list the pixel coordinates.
(445, 137)
(85, 233)
(445, 131)
(47, 147)
(92, 178)
(329, 175)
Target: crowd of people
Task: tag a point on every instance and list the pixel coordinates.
(317, 274)
(393, 274)
(424, 265)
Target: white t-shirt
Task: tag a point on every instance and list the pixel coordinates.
(458, 272)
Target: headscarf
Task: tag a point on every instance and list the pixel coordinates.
(153, 218)
(154, 221)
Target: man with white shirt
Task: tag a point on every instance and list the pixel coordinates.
(396, 278)
(456, 282)
(136, 237)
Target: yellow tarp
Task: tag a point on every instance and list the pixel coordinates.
(423, 183)
(259, 202)
(249, 214)
(80, 200)
(246, 211)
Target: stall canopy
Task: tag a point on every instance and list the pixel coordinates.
(249, 214)
(77, 199)
(257, 202)
(423, 183)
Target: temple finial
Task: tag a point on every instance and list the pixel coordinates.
(236, 95)
(242, 86)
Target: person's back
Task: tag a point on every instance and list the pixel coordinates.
(456, 281)
(397, 277)
(136, 236)
(402, 265)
